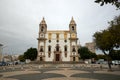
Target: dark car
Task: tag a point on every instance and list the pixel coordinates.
(3, 64)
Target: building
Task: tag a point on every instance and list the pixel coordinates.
(57, 45)
(7, 58)
(1, 52)
(91, 46)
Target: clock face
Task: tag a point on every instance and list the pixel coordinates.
(73, 35)
(41, 35)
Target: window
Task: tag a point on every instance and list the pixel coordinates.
(57, 47)
(73, 28)
(49, 41)
(57, 41)
(49, 48)
(65, 40)
(73, 50)
(65, 48)
(42, 28)
(41, 49)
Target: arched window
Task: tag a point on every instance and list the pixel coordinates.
(41, 49)
(73, 28)
(73, 49)
(49, 48)
(42, 28)
(65, 48)
(57, 47)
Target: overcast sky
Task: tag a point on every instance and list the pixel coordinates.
(19, 20)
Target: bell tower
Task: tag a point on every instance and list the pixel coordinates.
(42, 40)
(72, 26)
(43, 26)
(73, 41)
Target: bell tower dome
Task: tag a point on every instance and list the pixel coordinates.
(43, 26)
(72, 26)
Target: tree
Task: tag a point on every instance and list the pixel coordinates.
(113, 2)
(21, 58)
(101, 56)
(115, 55)
(108, 40)
(85, 53)
(31, 54)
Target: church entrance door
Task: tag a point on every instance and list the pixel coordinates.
(57, 57)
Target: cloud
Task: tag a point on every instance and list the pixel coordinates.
(19, 20)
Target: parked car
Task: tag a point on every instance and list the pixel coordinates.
(9, 63)
(100, 61)
(3, 63)
(116, 62)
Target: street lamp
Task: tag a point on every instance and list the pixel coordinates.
(1, 52)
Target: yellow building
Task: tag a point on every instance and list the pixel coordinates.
(57, 45)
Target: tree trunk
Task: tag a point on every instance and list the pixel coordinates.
(109, 61)
(109, 65)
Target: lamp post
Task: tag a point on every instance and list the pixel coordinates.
(1, 52)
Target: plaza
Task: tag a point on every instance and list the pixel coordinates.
(59, 72)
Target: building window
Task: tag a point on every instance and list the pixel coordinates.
(49, 48)
(65, 40)
(73, 28)
(41, 49)
(42, 28)
(57, 40)
(57, 47)
(49, 41)
(73, 50)
(65, 48)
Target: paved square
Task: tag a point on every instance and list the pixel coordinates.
(57, 72)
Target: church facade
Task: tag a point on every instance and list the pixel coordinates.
(57, 45)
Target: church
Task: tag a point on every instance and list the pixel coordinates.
(57, 45)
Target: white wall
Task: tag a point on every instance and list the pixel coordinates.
(61, 44)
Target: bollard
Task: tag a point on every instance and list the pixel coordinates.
(101, 66)
(4, 68)
(21, 66)
(39, 66)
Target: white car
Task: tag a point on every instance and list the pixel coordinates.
(116, 62)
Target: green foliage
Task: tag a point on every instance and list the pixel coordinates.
(21, 58)
(31, 54)
(101, 56)
(113, 2)
(93, 55)
(108, 40)
(85, 53)
(115, 55)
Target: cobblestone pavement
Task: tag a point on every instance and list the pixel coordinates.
(58, 72)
